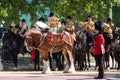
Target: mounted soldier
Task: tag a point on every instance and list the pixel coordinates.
(89, 24)
(110, 23)
(89, 29)
(70, 26)
(18, 29)
(108, 35)
(24, 27)
(54, 23)
(40, 25)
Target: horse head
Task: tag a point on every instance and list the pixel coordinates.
(32, 39)
(80, 36)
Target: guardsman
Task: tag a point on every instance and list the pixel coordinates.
(89, 24)
(24, 27)
(70, 26)
(53, 22)
(99, 49)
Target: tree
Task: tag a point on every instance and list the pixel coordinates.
(78, 9)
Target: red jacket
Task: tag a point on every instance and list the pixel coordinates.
(97, 45)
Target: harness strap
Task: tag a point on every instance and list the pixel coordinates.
(43, 38)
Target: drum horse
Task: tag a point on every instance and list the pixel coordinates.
(35, 39)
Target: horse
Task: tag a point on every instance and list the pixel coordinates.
(110, 48)
(89, 47)
(48, 42)
(117, 53)
(80, 50)
(116, 39)
(15, 45)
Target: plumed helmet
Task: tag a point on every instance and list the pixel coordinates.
(99, 25)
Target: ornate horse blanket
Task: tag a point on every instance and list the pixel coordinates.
(59, 39)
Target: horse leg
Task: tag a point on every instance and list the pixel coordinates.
(108, 65)
(85, 60)
(58, 61)
(34, 65)
(71, 68)
(67, 61)
(50, 60)
(62, 61)
(88, 57)
(82, 61)
(14, 56)
(46, 68)
(112, 57)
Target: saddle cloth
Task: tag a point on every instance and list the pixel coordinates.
(55, 39)
(58, 39)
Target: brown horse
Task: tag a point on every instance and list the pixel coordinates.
(51, 43)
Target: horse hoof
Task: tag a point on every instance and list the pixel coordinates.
(15, 68)
(47, 72)
(70, 71)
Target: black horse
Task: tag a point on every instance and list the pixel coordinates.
(80, 50)
(15, 44)
(89, 46)
(111, 48)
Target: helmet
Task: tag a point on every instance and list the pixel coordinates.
(69, 17)
(23, 20)
(109, 20)
(51, 14)
(89, 15)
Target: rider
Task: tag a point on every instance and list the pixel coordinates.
(110, 23)
(70, 26)
(24, 27)
(41, 24)
(89, 24)
(108, 35)
(54, 23)
(18, 28)
(89, 29)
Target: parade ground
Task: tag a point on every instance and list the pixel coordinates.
(57, 75)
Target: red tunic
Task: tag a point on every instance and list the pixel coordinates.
(97, 45)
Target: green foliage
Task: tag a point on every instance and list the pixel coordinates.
(116, 14)
(11, 10)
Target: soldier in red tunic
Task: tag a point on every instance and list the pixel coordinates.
(99, 49)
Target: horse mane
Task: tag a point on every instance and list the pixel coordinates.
(11, 32)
